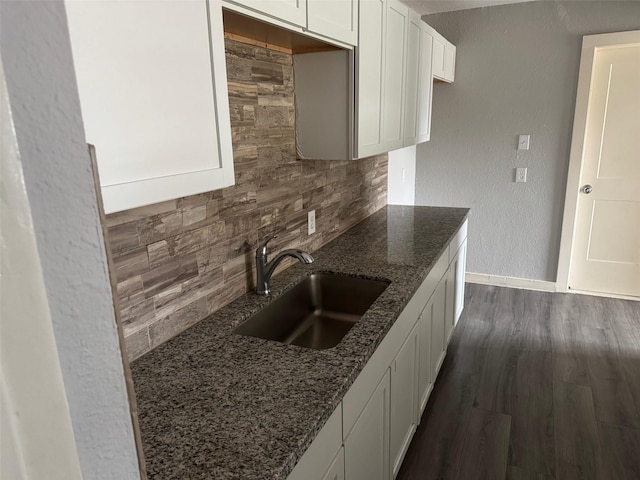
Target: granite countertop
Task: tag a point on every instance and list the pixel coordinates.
(214, 404)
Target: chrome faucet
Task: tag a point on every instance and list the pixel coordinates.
(264, 268)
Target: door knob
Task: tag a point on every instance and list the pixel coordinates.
(587, 189)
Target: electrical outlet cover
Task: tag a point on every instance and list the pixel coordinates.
(311, 222)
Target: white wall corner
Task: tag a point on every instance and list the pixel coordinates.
(58, 180)
(401, 178)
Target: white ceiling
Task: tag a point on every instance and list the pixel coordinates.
(426, 7)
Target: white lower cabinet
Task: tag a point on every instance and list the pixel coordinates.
(455, 289)
(366, 448)
(323, 453)
(449, 307)
(336, 470)
(460, 269)
(403, 400)
(369, 433)
(425, 372)
(438, 320)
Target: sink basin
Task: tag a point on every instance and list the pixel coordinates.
(316, 313)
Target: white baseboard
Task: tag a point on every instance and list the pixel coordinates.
(601, 294)
(511, 282)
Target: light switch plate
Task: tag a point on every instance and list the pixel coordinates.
(523, 142)
(521, 175)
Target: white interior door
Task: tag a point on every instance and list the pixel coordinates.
(606, 249)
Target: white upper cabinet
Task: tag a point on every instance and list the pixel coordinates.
(412, 78)
(337, 19)
(153, 92)
(334, 21)
(290, 11)
(444, 57)
(449, 62)
(377, 98)
(394, 74)
(438, 56)
(369, 76)
(425, 87)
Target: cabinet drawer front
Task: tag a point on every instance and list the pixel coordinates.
(428, 287)
(322, 451)
(457, 241)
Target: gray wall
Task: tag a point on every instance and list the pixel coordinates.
(516, 73)
(38, 67)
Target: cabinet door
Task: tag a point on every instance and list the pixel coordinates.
(425, 85)
(159, 134)
(336, 470)
(438, 328)
(403, 400)
(461, 261)
(290, 11)
(449, 314)
(437, 61)
(394, 74)
(369, 68)
(411, 93)
(337, 19)
(425, 372)
(366, 449)
(449, 62)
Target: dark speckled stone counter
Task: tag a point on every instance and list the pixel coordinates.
(216, 405)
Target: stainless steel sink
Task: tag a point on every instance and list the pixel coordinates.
(316, 313)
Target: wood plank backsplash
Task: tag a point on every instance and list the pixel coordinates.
(179, 261)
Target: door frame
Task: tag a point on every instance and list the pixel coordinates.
(589, 45)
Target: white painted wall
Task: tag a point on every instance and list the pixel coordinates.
(402, 176)
(516, 72)
(37, 436)
(38, 67)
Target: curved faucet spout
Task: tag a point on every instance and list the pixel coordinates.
(303, 257)
(265, 268)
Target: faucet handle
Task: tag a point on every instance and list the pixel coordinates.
(262, 249)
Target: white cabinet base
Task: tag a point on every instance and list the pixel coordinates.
(403, 400)
(336, 470)
(379, 414)
(366, 448)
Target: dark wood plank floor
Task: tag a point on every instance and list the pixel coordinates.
(535, 386)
